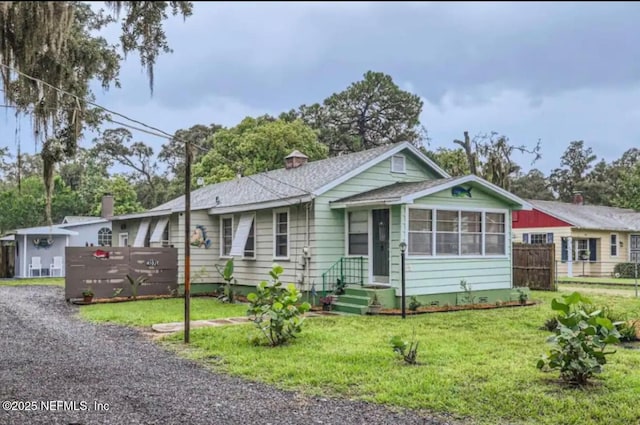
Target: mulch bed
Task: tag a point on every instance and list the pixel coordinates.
(443, 309)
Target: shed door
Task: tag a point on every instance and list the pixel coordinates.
(380, 246)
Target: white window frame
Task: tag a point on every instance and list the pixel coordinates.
(616, 244)
(255, 243)
(403, 170)
(539, 235)
(484, 211)
(431, 232)
(347, 233)
(222, 219)
(101, 236)
(275, 234)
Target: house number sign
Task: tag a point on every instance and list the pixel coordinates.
(152, 262)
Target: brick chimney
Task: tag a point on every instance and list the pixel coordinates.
(295, 160)
(107, 206)
(577, 198)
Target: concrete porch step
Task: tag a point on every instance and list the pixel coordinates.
(354, 299)
(351, 308)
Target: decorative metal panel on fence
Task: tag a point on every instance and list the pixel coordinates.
(534, 266)
(104, 270)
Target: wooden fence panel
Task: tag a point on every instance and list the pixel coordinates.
(534, 266)
(105, 270)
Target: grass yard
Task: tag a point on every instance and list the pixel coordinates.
(48, 281)
(596, 280)
(149, 312)
(478, 365)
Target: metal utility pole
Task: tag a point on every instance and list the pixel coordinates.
(187, 245)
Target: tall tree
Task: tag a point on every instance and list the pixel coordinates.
(369, 113)
(532, 185)
(628, 193)
(453, 161)
(173, 154)
(50, 52)
(256, 145)
(490, 156)
(125, 200)
(575, 164)
(115, 146)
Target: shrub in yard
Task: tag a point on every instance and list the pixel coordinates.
(276, 311)
(228, 294)
(580, 340)
(550, 324)
(625, 270)
(135, 284)
(414, 304)
(405, 349)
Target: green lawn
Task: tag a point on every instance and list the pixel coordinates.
(609, 280)
(475, 364)
(48, 281)
(149, 312)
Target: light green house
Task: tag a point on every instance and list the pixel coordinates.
(341, 221)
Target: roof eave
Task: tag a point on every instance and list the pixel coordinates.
(146, 214)
(516, 201)
(284, 202)
(364, 203)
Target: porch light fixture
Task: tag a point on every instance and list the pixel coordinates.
(403, 248)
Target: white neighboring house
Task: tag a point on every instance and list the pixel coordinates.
(40, 251)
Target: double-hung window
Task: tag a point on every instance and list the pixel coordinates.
(226, 236)
(420, 231)
(358, 234)
(495, 234)
(447, 232)
(281, 233)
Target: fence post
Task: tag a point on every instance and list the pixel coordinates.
(635, 269)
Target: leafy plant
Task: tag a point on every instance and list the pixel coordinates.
(468, 297)
(87, 292)
(626, 270)
(550, 324)
(580, 340)
(228, 294)
(522, 296)
(275, 311)
(135, 284)
(414, 304)
(116, 292)
(628, 331)
(405, 349)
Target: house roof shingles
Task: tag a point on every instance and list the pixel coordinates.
(591, 216)
(394, 191)
(276, 184)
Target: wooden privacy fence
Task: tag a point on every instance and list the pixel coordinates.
(104, 270)
(534, 266)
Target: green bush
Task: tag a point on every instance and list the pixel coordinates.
(405, 349)
(414, 304)
(228, 294)
(580, 340)
(625, 270)
(275, 311)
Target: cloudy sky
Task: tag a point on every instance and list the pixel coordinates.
(551, 71)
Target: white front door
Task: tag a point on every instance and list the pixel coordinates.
(123, 239)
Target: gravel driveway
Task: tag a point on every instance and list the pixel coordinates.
(49, 359)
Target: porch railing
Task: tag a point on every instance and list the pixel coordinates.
(345, 271)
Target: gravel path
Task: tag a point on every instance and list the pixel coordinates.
(48, 356)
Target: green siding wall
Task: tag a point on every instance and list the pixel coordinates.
(479, 199)
(328, 230)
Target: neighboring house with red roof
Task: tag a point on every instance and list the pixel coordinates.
(590, 239)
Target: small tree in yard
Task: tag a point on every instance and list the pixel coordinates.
(580, 340)
(275, 311)
(228, 294)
